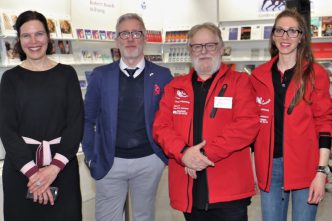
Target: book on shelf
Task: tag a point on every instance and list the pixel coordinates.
(62, 47)
(9, 53)
(95, 35)
(267, 31)
(52, 25)
(88, 34)
(327, 26)
(154, 57)
(8, 22)
(80, 33)
(315, 26)
(116, 55)
(66, 28)
(233, 33)
(322, 50)
(245, 33)
(86, 56)
(224, 33)
(111, 35)
(226, 54)
(266, 54)
(176, 36)
(102, 35)
(255, 53)
(256, 32)
(153, 36)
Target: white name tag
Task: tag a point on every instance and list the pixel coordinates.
(223, 102)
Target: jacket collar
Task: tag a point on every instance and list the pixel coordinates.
(185, 83)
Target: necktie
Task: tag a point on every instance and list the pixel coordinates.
(131, 72)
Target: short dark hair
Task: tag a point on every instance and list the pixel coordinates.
(22, 19)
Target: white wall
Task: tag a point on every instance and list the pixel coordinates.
(240, 10)
(95, 14)
(52, 7)
(157, 14)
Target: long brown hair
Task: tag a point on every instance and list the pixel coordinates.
(303, 72)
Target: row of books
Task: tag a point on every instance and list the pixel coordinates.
(62, 52)
(63, 28)
(321, 26)
(248, 32)
(176, 36)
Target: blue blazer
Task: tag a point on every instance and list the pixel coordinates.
(101, 111)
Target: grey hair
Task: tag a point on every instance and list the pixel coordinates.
(207, 25)
(129, 16)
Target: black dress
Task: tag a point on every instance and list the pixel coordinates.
(42, 105)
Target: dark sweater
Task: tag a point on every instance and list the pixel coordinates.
(131, 139)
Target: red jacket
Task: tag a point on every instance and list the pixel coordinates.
(301, 128)
(228, 136)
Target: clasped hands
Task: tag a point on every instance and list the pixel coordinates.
(194, 160)
(39, 184)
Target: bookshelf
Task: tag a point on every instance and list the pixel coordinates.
(248, 42)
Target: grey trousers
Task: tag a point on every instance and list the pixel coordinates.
(141, 177)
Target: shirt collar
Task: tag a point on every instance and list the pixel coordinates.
(140, 66)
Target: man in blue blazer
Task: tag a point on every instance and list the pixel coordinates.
(120, 105)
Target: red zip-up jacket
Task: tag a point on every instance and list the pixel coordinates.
(301, 128)
(227, 136)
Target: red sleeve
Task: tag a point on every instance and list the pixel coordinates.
(321, 106)
(163, 129)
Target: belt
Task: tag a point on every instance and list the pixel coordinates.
(43, 152)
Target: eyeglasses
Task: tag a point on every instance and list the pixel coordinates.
(292, 33)
(134, 34)
(208, 46)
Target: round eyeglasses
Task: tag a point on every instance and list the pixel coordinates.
(208, 47)
(292, 33)
(134, 34)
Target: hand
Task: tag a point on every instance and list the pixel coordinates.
(39, 182)
(194, 159)
(317, 189)
(190, 172)
(44, 198)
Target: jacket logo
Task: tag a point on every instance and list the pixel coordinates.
(181, 93)
(259, 100)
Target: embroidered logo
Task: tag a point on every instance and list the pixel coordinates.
(181, 93)
(156, 89)
(260, 100)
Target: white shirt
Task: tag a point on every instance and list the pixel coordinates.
(140, 66)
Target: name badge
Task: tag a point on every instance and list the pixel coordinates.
(223, 102)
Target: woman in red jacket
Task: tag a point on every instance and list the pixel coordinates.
(293, 145)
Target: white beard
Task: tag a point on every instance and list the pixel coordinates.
(209, 67)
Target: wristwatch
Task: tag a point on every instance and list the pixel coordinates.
(324, 169)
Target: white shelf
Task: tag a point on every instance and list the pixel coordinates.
(247, 60)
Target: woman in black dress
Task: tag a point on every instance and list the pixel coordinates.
(41, 125)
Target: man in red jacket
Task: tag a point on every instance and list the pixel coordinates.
(205, 124)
